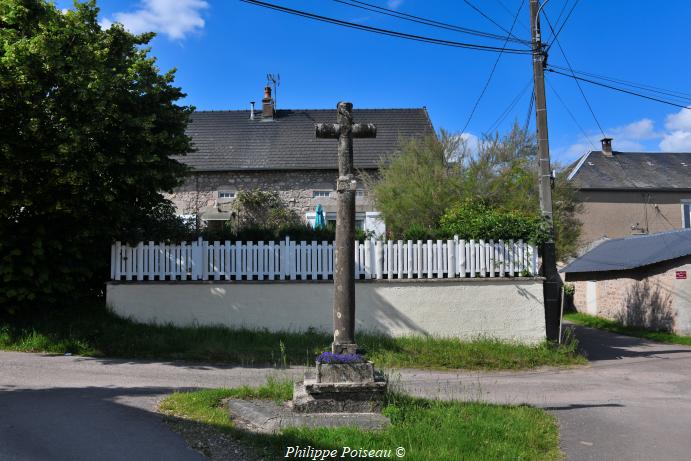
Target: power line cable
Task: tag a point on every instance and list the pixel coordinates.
(561, 12)
(653, 89)
(509, 108)
(489, 18)
(633, 93)
(425, 21)
(391, 33)
(563, 53)
(528, 116)
(563, 103)
(563, 24)
(494, 68)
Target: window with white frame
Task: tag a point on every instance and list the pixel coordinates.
(361, 193)
(321, 193)
(686, 213)
(225, 195)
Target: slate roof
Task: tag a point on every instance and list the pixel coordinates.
(633, 171)
(229, 140)
(631, 252)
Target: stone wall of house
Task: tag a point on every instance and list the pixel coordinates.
(296, 188)
(650, 297)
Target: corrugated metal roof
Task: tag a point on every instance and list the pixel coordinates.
(229, 140)
(631, 252)
(633, 170)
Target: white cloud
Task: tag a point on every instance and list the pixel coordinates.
(676, 141)
(638, 136)
(394, 4)
(639, 130)
(679, 121)
(678, 138)
(471, 141)
(173, 18)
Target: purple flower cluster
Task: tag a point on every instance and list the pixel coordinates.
(330, 357)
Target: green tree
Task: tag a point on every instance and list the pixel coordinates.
(433, 176)
(87, 125)
(422, 181)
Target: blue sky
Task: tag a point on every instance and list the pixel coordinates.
(222, 51)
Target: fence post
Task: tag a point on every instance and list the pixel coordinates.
(411, 264)
(462, 260)
(291, 259)
(283, 258)
(451, 257)
(379, 255)
(418, 259)
(533, 260)
(368, 258)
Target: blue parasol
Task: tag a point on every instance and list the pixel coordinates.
(319, 221)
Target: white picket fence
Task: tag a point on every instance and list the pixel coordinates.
(291, 260)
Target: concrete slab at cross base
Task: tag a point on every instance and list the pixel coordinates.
(266, 416)
(310, 396)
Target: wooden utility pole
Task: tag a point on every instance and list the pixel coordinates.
(549, 259)
(344, 266)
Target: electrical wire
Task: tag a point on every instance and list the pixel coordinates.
(426, 21)
(561, 12)
(563, 103)
(563, 24)
(391, 33)
(563, 53)
(528, 116)
(633, 93)
(509, 108)
(653, 89)
(467, 2)
(494, 68)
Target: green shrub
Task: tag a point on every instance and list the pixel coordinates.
(419, 232)
(475, 220)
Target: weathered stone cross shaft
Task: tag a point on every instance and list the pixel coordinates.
(344, 267)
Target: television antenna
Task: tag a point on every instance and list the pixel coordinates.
(274, 80)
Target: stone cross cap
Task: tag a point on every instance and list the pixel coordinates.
(344, 267)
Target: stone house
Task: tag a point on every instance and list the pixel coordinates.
(277, 150)
(640, 280)
(628, 193)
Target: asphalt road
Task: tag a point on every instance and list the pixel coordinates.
(632, 403)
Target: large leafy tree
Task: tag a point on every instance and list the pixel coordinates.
(432, 176)
(87, 125)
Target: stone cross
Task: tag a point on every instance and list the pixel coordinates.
(344, 268)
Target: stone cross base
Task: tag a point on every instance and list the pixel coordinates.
(340, 388)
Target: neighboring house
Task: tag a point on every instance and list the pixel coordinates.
(278, 150)
(625, 193)
(642, 280)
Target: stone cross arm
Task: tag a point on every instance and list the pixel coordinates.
(333, 130)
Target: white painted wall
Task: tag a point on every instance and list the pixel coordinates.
(681, 302)
(502, 309)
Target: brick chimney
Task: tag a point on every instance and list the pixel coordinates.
(607, 147)
(267, 105)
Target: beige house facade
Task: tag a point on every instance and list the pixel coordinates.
(632, 193)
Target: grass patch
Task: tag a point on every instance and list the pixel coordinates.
(616, 327)
(94, 331)
(427, 429)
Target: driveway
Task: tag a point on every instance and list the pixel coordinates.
(633, 402)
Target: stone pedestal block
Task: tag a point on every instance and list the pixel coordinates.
(345, 372)
(340, 388)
